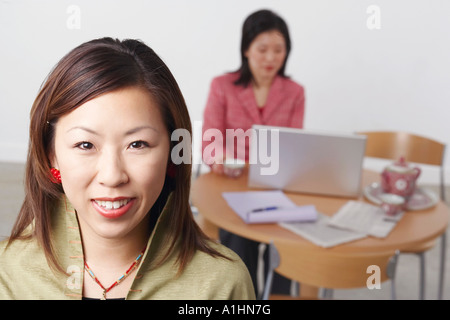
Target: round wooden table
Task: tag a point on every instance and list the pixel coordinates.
(415, 231)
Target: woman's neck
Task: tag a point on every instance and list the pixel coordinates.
(110, 259)
(261, 92)
(262, 82)
(113, 253)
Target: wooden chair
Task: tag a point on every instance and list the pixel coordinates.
(325, 269)
(421, 150)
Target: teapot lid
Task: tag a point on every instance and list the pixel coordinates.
(400, 166)
(401, 162)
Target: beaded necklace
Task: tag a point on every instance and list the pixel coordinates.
(133, 266)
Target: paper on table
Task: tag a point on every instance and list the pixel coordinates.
(365, 218)
(244, 202)
(354, 220)
(321, 232)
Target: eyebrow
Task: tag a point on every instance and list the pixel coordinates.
(137, 129)
(129, 132)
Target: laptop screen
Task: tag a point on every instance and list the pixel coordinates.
(298, 160)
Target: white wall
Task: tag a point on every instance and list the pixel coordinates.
(396, 77)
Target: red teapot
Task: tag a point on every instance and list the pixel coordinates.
(399, 178)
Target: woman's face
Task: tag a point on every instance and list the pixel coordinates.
(112, 152)
(266, 55)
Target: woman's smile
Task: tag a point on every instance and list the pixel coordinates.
(112, 209)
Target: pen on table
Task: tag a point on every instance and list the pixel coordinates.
(264, 209)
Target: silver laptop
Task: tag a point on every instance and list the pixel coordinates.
(298, 160)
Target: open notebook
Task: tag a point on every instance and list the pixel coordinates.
(268, 207)
(354, 220)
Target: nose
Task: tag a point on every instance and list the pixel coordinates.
(270, 56)
(111, 170)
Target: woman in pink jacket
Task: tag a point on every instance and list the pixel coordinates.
(258, 93)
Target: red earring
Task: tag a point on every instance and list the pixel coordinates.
(171, 170)
(56, 175)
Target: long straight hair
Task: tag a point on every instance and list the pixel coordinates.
(255, 24)
(88, 71)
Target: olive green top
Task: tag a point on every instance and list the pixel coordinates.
(25, 273)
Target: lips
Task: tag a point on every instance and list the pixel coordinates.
(112, 208)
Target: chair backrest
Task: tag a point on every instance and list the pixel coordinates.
(414, 148)
(320, 267)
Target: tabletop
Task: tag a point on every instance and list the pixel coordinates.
(415, 229)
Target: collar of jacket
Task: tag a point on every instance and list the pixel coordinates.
(69, 249)
(274, 98)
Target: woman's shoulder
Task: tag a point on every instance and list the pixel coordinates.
(25, 273)
(12, 253)
(232, 265)
(20, 261)
(226, 79)
(225, 251)
(290, 84)
(232, 259)
(25, 242)
(230, 273)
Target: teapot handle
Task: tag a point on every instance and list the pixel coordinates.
(384, 180)
(418, 171)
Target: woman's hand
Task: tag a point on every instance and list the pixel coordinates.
(217, 168)
(230, 169)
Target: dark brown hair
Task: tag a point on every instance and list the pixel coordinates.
(88, 71)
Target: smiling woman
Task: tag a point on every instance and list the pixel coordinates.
(113, 163)
(106, 213)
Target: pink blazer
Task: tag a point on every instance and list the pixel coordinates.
(234, 107)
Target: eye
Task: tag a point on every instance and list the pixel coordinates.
(138, 145)
(84, 145)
